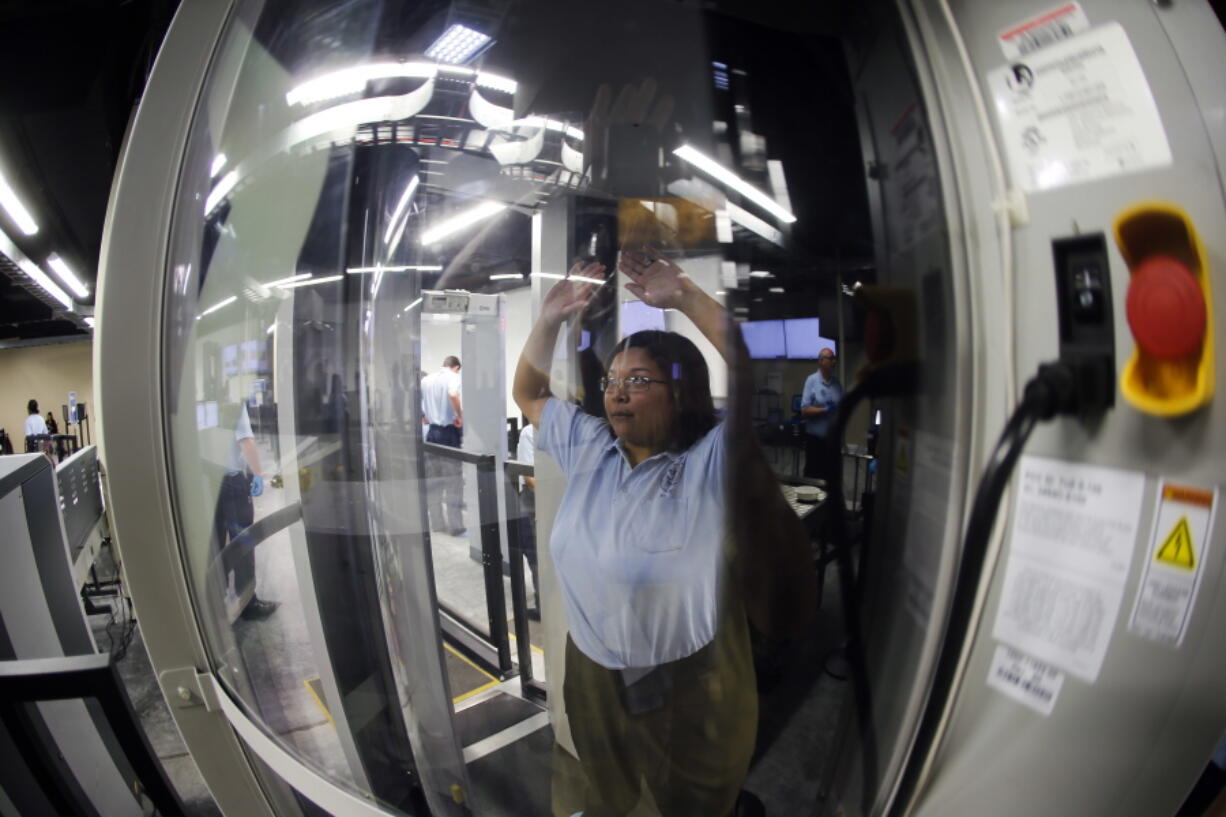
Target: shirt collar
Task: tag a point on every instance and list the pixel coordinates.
(615, 444)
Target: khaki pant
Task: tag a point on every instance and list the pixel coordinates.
(692, 753)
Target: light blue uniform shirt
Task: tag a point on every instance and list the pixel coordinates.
(820, 393)
(638, 551)
(435, 388)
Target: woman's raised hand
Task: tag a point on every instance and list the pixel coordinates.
(571, 296)
(654, 279)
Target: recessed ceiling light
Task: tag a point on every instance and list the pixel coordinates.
(458, 44)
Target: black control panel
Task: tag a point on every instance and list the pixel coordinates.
(1086, 314)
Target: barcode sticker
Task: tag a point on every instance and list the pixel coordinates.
(1052, 26)
(1024, 679)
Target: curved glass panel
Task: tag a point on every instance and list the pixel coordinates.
(415, 245)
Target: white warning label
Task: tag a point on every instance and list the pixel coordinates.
(1024, 679)
(1052, 26)
(1178, 546)
(1074, 533)
(1078, 110)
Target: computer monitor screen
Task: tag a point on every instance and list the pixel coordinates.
(637, 316)
(765, 339)
(229, 360)
(802, 335)
(249, 355)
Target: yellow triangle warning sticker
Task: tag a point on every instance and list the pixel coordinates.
(1178, 550)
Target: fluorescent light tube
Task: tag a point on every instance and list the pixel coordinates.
(459, 222)
(458, 44)
(310, 282)
(280, 282)
(405, 198)
(507, 276)
(217, 306)
(16, 209)
(397, 268)
(219, 161)
(92, 322)
(496, 83)
(9, 249)
(410, 306)
(220, 191)
(722, 174)
(65, 274)
(353, 80)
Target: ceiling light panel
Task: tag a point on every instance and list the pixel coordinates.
(458, 44)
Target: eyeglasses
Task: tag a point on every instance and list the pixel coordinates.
(635, 383)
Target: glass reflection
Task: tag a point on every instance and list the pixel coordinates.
(639, 257)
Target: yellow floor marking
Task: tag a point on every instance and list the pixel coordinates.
(318, 702)
(492, 682)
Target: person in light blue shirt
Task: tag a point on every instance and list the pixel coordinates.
(659, 683)
(822, 394)
(443, 415)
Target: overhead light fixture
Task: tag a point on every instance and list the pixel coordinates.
(217, 306)
(92, 322)
(722, 174)
(751, 222)
(555, 276)
(280, 282)
(459, 222)
(410, 306)
(760, 274)
(507, 276)
(310, 282)
(16, 209)
(65, 274)
(219, 161)
(271, 329)
(10, 250)
(496, 83)
(396, 268)
(777, 290)
(220, 191)
(401, 205)
(352, 80)
(458, 44)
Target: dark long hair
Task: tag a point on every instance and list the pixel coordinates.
(688, 378)
(32, 407)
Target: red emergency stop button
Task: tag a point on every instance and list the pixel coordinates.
(1166, 308)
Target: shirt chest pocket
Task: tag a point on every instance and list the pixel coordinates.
(659, 525)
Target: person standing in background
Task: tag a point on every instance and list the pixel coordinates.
(443, 413)
(821, 397)
(235, 512)
(525, 451)
(35, 424)
(52, 426)
(37, 427)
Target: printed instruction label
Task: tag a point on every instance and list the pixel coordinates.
(1175, 558)
(1076, 111)
(1074, 532)
(1024, 679)
(1052, 26)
